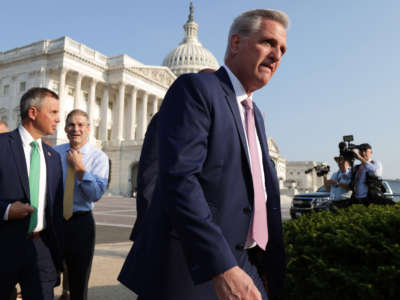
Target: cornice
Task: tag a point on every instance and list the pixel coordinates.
(159, 75)
(154, 75)
(87, 61)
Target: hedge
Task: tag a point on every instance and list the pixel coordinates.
(353, 253)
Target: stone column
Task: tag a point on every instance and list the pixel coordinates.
(155, 106)
(77, 102)
(61, 95)
(61, 86)
(92, 103)
(13, 94)
(42, 77)
(159, 103)
(132, 114)
(120, 112)
(103, 113)
(143, 114)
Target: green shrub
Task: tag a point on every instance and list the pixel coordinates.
(352, 253)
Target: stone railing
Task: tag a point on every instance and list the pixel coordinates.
(123, 61)
(46, 46)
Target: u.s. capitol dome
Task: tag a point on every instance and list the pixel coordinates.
(190, 56)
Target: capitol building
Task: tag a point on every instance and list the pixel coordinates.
(120, 94)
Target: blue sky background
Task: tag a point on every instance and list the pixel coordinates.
(340, 75)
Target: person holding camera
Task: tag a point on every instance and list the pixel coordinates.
(339, 183)
(365, 174)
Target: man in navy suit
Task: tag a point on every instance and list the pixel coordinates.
(147, 174)
(213, 229)
(148, 171)
(31, 191)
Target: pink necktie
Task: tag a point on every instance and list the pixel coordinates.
(259, 229)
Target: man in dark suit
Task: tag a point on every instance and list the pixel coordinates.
(148, 171)
(147, 174)
(31, 190)
(213, 229)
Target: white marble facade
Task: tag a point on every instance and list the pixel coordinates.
(279, 161)
(298, 180)
(119, 93)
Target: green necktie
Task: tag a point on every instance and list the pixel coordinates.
(34, 180)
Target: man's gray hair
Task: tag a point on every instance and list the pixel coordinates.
(77, 112)
(34, 98)
(249, 22)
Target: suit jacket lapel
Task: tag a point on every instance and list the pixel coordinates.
(261, 132)
(269, 170)
(20, 162)
(232, 102)
(47, 157)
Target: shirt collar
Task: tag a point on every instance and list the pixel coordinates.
(237, 86)
(84, 149)
(27, 138)
(346, 171)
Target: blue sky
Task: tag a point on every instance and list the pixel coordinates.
(340, 75)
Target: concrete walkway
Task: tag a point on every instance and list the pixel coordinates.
(107, 263)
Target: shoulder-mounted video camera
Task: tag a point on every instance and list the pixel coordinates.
(321, 169)
(346, 147)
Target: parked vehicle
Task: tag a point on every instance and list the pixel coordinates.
(319, 200)
(308, 202)
(392, 189)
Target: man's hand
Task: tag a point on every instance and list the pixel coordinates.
(235, 284)
(358, 156)
(74, 158)
(332, 181)
(19, 210)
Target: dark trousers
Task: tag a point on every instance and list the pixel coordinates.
(178, 285)
(79, 249)
(33, 269)
(13, 294)
(341, 203)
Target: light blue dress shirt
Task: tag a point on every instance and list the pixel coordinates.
(94, 180)
(337, 192)
(373, 168)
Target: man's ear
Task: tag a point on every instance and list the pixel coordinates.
(234, 43)
(33, 112)
(65, 126)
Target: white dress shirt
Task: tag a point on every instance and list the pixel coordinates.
(27, 139)
(240, 96)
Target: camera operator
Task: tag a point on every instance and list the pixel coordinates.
(367, 168)
(339, 183)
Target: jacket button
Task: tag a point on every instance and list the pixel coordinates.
(239, 247)
(247, 210)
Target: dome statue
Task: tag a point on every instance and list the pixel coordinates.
(190, 56)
